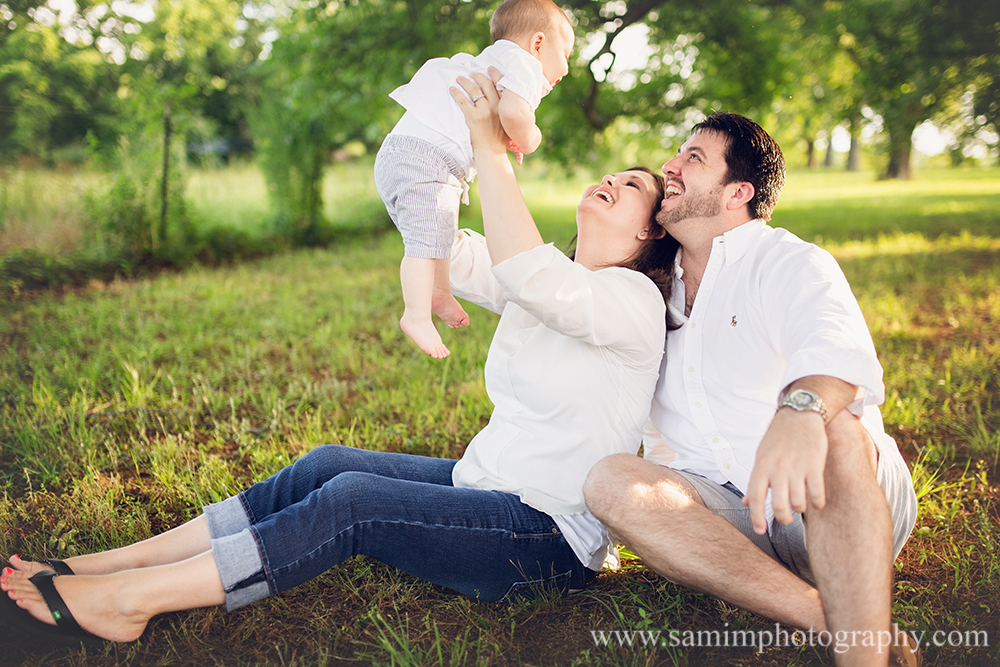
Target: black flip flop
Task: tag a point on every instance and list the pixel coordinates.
(59, 566)
(66, 631)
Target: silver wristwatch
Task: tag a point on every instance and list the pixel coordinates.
(803, 400)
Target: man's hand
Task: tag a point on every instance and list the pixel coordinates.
(790, 461)
(792, 455)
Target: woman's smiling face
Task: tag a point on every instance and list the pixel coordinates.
(616, 215)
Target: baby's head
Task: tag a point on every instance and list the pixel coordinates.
(540, 28)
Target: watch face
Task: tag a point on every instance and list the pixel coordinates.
(802, 398)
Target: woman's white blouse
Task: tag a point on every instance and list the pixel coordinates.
(571, 370)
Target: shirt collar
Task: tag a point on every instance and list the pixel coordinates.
(738, 240)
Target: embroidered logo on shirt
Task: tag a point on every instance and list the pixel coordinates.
(734, 321)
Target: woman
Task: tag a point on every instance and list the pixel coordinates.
(571, 371)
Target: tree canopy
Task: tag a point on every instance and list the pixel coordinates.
(304, 77)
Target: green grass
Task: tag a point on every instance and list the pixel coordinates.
(237, 196)
(44, 209)
(126, 406)
(832, 206)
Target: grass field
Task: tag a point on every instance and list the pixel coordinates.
(126, 406)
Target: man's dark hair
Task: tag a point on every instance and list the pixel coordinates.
(751, 156)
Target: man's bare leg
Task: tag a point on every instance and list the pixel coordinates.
(663, 519)
(850, 544)
(178, 544)
(118, 606)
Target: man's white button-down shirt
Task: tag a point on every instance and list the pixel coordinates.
(770, 309)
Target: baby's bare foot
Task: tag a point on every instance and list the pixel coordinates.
(450, 310)
(422, 332)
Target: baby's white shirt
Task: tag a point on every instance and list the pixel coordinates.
(432, 114)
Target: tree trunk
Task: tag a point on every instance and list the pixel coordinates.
(168, 131)
(900, 147)
(828, 160)
(315, 194)
(854, 153)
(810, 153)
(900, 127)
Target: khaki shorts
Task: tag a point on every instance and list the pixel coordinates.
(787, 543)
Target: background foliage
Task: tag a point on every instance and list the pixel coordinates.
(143, 91)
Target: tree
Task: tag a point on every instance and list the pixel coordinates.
(986, 101)
(915, 57)
(726, 54)
(52, 92)
(327, 80)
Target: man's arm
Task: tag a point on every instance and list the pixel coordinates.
(518, 122)
(792, 455)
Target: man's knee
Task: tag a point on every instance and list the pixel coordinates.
(623, 488)
(852, 458)
(850, 445)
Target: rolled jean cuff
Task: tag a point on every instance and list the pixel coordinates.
(228, 517)
(241, 569)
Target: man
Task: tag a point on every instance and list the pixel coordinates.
(774, 486)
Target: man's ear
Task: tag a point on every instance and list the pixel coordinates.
(740, 196)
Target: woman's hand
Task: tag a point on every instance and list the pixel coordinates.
(507, 223)
(481, 116)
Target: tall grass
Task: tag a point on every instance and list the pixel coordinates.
(127, 406)
(43, 209)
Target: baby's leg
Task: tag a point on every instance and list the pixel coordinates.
(443, 303)
(178, 544)
(416, 274)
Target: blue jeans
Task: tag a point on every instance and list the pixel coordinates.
(336, 502)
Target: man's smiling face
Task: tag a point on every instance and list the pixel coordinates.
(695, 179)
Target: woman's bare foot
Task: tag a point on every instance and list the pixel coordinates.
(422, 332)
(95, 602)
(28, 566)
(449, 309)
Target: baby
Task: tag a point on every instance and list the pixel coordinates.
(424, 166)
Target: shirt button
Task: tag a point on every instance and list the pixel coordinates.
(693, 325)
(715, 439)
(697, 405)
(690, 369)
(726, 466)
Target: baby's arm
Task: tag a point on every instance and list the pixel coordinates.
(518, 122)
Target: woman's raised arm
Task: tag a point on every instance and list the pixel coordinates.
(509, 228)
